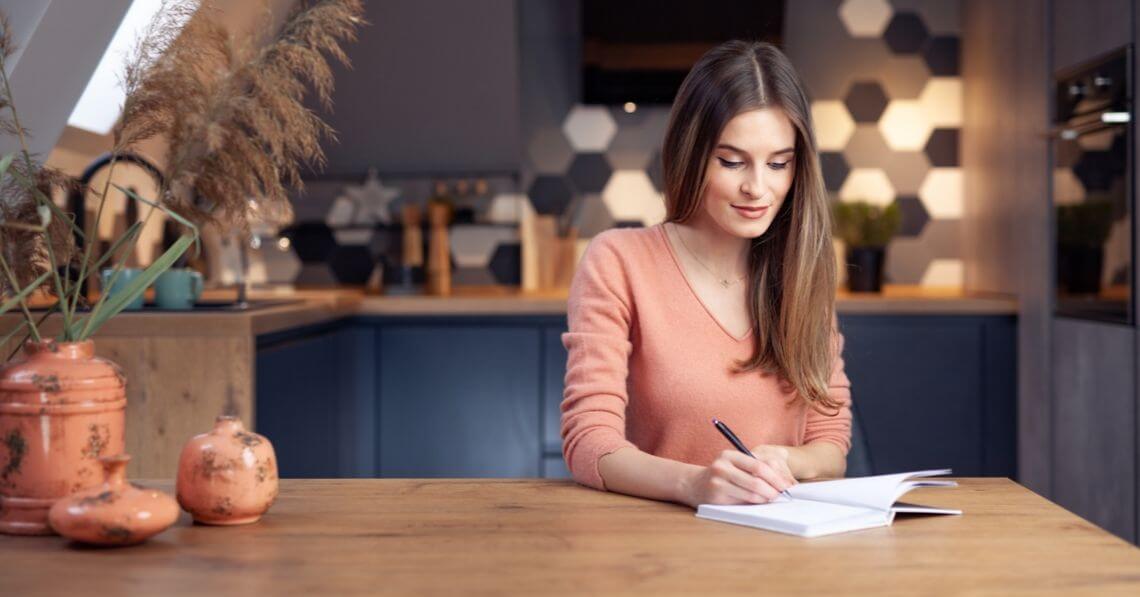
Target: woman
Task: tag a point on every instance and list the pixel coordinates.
(726, 310)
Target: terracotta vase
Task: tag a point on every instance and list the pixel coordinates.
(227, 476)
(61, 408)
(116, 512)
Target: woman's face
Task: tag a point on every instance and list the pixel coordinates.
(750, 172)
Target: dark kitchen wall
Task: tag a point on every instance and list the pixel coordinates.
(883, 79)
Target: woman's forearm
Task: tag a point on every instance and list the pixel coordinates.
(633, 472)
(819, 459)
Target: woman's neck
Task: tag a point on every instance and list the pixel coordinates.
(725, 254)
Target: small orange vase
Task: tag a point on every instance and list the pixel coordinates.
(115, 513)
(61, 408)
(227, 476)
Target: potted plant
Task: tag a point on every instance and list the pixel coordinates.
(865, 230)
(1082, 229)
(236, 131)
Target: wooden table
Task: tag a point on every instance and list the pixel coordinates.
(335, 537)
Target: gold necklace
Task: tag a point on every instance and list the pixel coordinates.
(724, 282)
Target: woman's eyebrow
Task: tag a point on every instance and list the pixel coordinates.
(741, 151)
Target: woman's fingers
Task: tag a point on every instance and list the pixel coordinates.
(739, 470)
(770, 472)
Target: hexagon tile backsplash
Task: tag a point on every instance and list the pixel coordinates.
(887, 104)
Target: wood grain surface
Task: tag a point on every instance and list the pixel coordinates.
(406, 536)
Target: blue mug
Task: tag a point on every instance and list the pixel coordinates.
(177, 288)
(126, 276)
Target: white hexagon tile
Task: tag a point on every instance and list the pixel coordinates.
(630, 197)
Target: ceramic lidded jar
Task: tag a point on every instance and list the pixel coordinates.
(61, 408)
(227, 476)
(115, 513)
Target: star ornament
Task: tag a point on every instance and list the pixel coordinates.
(371, 200)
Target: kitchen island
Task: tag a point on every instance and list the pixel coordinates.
(306, 367)
(530, 537)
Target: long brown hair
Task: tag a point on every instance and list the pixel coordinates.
(791, 267)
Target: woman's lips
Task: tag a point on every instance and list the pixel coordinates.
(753, 213)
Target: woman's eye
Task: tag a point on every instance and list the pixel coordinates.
(778, 165)
(730, 163)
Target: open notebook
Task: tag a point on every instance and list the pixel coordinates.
(827, 507)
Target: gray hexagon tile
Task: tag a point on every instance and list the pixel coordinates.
(867, 148)
(942, 237)
(907, 170)
(638, 136)
(914, 216)
(592, 217)
(278, 265)
(472, 276)
(866, 101)
(655, 172)
(473, 246)
(506, 264)
(357, 235)
(835, 169)
(942, 148)
(907, 259)
(942, 55)
(903, 76)
(589, 128)
(549, 195)
(549, 151)
(589, 172)
(315, 274)
(905, 34)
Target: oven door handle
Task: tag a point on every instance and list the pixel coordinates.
(1107, 120)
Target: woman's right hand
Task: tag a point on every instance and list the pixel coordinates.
(736, 478)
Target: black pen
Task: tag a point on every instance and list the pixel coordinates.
(725, 431)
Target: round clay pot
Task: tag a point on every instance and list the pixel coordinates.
(227, 476)
(61, 408)
(115, 513)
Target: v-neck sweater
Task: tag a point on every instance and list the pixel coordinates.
(649, 366)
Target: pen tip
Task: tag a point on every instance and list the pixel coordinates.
(714, 421)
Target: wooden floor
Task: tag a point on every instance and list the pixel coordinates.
(335, 537)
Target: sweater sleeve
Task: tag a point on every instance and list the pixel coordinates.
(834, 427)
(598, 344)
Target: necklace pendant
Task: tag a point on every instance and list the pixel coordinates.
(725, 283)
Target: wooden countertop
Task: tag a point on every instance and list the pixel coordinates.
(313, 306)
(407, 536)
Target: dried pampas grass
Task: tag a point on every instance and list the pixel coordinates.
(232, 111)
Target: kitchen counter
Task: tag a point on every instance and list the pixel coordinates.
(443, 536)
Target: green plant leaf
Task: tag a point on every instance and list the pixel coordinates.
(178, 218)
(23, 294)
(111, 305)
(5, 162)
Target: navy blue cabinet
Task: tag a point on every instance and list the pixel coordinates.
(312, 386)
(480, 396)
(459, 400)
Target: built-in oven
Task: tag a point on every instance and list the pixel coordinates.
(1092, 160)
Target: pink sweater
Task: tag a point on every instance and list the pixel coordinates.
(649, 367)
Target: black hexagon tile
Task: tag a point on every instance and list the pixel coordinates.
(549, 195)
(942, 148)
(312, 241)
(914, 216)
(352, 264)
(866, 101)
(905, 34)
(589, 172)
(1096, 170)
(506, 263)
(942, 55)
(835, 169)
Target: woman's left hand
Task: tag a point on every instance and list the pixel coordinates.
(776, 456)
